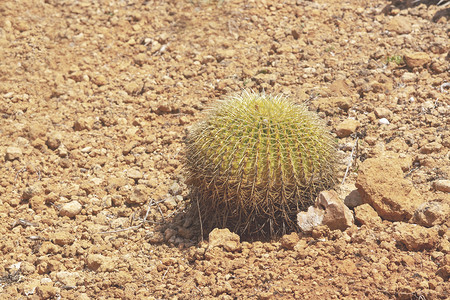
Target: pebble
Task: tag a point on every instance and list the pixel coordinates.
(383, 121)
(409, 77)
(139, 195)
(54, 140)
(328, 210)
(366, 215)
(399, 25)
(337, 215)
(347, 127)
(134, 173)
(225, 239)
(415, 237)
(382, 112)
(71, 209)
(442, 185)
(13, 153)
(416, 59)
(289, 241)
(99, 263)
(83, 124)
(431, 147)
(432, 213)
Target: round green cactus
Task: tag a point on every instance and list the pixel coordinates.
(255, 161)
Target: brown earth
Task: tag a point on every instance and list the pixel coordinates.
(96, 98)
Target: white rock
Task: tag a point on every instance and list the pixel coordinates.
(71, 209)
(307, 220)
(383, 121)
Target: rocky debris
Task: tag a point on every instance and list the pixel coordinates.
(13, 153)
(225, 239)
(381, 184)
(442, 185)
(416, 59)
(432, 213)
(347, 127)
(415, 237)
(431, 147)
(366, 215)
(399, 25)
(70, 209)
(334, 105)
(328, 210)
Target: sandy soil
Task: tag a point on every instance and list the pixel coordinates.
(96, 98)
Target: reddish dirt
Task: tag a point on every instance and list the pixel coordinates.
(96, 98)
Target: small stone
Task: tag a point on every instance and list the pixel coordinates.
(289, 241)
(32, 191)
(99, 263)
(139, 195)
(347, 127)
(68, 278)
(83, 124)
(399, 25)
(337, 215)
(13, 153)
(70, 209)
(353, 199)
(415, 237)
(416, 59)
(381, 184)
(442, 185)
(444, 272)
(409, 77)
(99, 79)
(134, 173)
(366, 215)
(62, 238)
(432, 213)
(47, 292)
(308, 220)
(54, 140)
(382, 112)
(431, 147)
(383, 121)
(225, 239)
(132, 88)
(171, 203)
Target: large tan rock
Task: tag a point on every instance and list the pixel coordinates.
(381, 184)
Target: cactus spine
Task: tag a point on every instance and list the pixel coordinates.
(255, 161)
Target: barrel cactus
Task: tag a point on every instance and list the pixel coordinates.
(255, 161)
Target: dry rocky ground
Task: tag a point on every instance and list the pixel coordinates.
(96, 98)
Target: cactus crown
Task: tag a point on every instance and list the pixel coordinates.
(255, 161)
